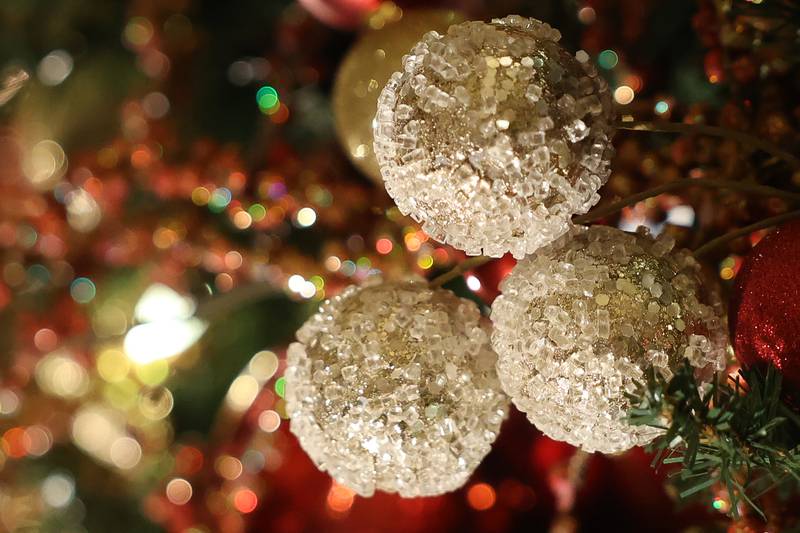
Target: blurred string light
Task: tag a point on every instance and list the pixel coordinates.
(160, 302)
(481, 496)
(9, 402)
(608, 59)
(156, 403)
(268, 99)
(280, 386)
(340, 499)
(138, 32)
(82, 290)
(245, 388)
(58, 490)
(269, 421)
(55, 67)
(100, 432)
(721, 504)
(306, 217)
(245, 500)
(333, 263)
(155, 105)
(623, 95)
(31, 441)
(248, 70)
(179, 491)
(167, 326)
(59, 374)
(228, 467)
(473, 283)
(729, 267)
(384, 245)
(220, 199)
(45, 164)
(587, 15)
(83, 212)
(681, 215)
(305, 288)
(425, 261)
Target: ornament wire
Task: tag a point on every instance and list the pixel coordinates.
(752, 188)
(610, 209)
(741, 232)
(459, 269)
(741, 137)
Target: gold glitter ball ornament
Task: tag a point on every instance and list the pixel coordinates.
(365, 70)
(493, 136)
(579, 322)
(393, 387)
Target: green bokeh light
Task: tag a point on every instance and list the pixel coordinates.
(608, 59)
(267, 98)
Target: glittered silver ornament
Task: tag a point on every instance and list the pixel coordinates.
(579, 322)
(393, 387)
(494, 136)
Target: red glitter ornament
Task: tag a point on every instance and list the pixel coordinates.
(765, 306)
(342, 14)
(490, 275)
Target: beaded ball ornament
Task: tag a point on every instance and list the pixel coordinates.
(393, 387)
(579, 322)
(494, 136)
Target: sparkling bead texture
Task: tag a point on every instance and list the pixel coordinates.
(393, 387)
(579, 322)
(493, 136)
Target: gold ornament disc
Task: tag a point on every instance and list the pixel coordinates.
(365, 70)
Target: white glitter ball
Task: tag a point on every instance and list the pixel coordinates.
(577, 324)
(393, 387)
(494, 136)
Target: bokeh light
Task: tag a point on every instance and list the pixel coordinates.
(623, 95)
(55, 67)
(245, 500)
(481, 496)
(179, 491)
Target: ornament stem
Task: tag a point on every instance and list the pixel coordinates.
(741, 137)
(459, 269)
(741, 232)
(576, 468)
(752, 188)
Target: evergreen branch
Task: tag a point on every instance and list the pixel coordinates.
(733, 433)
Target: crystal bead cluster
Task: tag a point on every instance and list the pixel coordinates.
(578, 323)
(392, 386)
(494, 136)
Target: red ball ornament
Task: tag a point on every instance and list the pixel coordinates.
(764, 310)
(489, 276)
(342, 14)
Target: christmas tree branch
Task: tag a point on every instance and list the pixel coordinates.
(745, 139)
(459, 269)
(750, 188)
(732, 434)
(713, 244)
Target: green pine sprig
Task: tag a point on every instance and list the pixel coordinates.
(735, 432)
